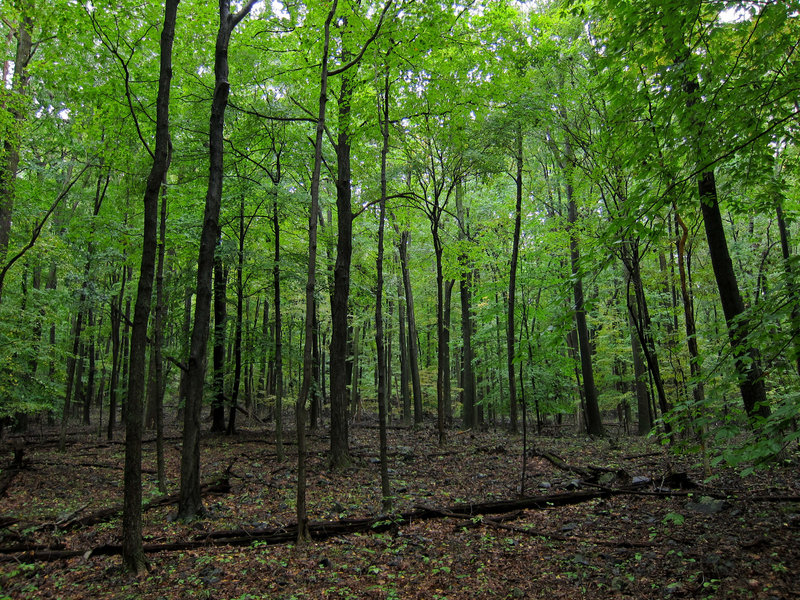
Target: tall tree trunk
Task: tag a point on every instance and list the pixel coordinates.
(594, 422)
(159, 318)
(447, 389)
(132, 555)
(190, 504)
(465, 292)
(512, 285)
(278, 350)
(746, 356)
(303, 534)
(380, 340)
(116, 318)
(413, 345)
(442, 367)
(340, 445)
(402, 342)
(645, 419)
(11, 142)
(791, 282)
(237, 334)
(220, 323)
(91, 352)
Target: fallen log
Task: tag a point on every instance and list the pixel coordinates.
(322, 530)
(219, 486)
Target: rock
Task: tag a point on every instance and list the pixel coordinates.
(545, 485)
(640, 480)
(573, 484)
(707, 506)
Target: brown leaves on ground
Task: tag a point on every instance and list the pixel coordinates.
(690, 545)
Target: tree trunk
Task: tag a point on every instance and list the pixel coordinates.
(447, 389)
(116, 318)
(220, 323)
(132, 554)
(278, 350)
(303, 534)
(594, 422)
(190, 504)
(747, 357)
(413, 346)
(465, 292)
(340, 445)
(380, 340)
(237, 335)
(512, 286)
(11, 144)
(402, 339)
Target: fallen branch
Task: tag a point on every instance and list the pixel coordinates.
(219, 486)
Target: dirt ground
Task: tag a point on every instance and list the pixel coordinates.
(730, 537)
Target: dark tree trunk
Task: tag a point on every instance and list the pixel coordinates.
(159, 317)
(413, 346)
(220, 323)
(447, 389)
(746, 356)
(116, 318)
(594, 424)
(278, 351)
(402, 342)
(380, 340)
(340, 445)
(11, 144)
(303, 534)
(190, 504)
(132, 554)
(512, 286)
(237, 334)
(645, 419)
(791, 283)
(465, 290)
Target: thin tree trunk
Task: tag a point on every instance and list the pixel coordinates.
(413, 346)
(380, 340)
(340, 444)
(220, 323)
(278, 351)
(10, 157)
(190, 504)
(158, 341)
(512, 286)
(593, 420)
(132, 555)
(237, 334)
(303, 534)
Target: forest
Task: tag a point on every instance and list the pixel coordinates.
(318, 299)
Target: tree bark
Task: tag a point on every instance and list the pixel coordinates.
(512, 286)
(413, 346)
(220, 323)
(11, 144)
(594, 422)
(190, 504)
(303, 534)
(340, 446)
(132, 554)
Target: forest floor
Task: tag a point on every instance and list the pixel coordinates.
(730, 537)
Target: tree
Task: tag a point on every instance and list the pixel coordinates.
(132, 554)
(190, 504)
